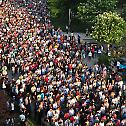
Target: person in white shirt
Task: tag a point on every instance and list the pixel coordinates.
(118, 64)
(101, 124)
(99, 52)
(71, 112)
(50, 113)
(55, 105)
(12, 107)
(66, 123)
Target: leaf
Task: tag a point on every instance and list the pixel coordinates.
(109, 28)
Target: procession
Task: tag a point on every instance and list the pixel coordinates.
(44, 73)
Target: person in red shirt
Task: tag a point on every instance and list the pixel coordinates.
(46, 79)
(92, 50)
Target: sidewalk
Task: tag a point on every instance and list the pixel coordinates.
(83, 37)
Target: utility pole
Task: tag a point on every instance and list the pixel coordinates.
(69, 18)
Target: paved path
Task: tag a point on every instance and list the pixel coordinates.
(87, 39)
(90, 62)
(83, 37)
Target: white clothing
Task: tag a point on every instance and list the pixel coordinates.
(71, 112)
(12, 106)
(49, 113)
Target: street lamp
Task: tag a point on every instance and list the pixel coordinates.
(69, 16)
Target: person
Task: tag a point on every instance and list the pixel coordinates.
(22, 119)
(118, 65)
(12, 107)
(99, 52)
(7, 122)
(67, 29)
(78, 36)
(86, 32)
(90, 54)
(52, 73)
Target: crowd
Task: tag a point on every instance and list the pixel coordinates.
(52, 78)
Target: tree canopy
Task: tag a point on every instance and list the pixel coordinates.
(54, 7)
(89, 9)
(124, 11)
(84, 12)
(109, 28)
(61, 7)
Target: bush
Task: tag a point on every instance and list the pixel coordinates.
(104, 59)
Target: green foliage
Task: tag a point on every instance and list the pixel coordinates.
(124, 11)
(109, 28)
(54, 7)
(104, 59)
(89, 9)
(60, 7)
(84, 11)
(121, 3)
(59, 11)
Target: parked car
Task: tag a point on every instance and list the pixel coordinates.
(122, 67)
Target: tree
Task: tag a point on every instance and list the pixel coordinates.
(61, 7)
(121, 3)
(109, 28)
(59, 10)
(55, 7)
(124, 11)
(89, 9)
